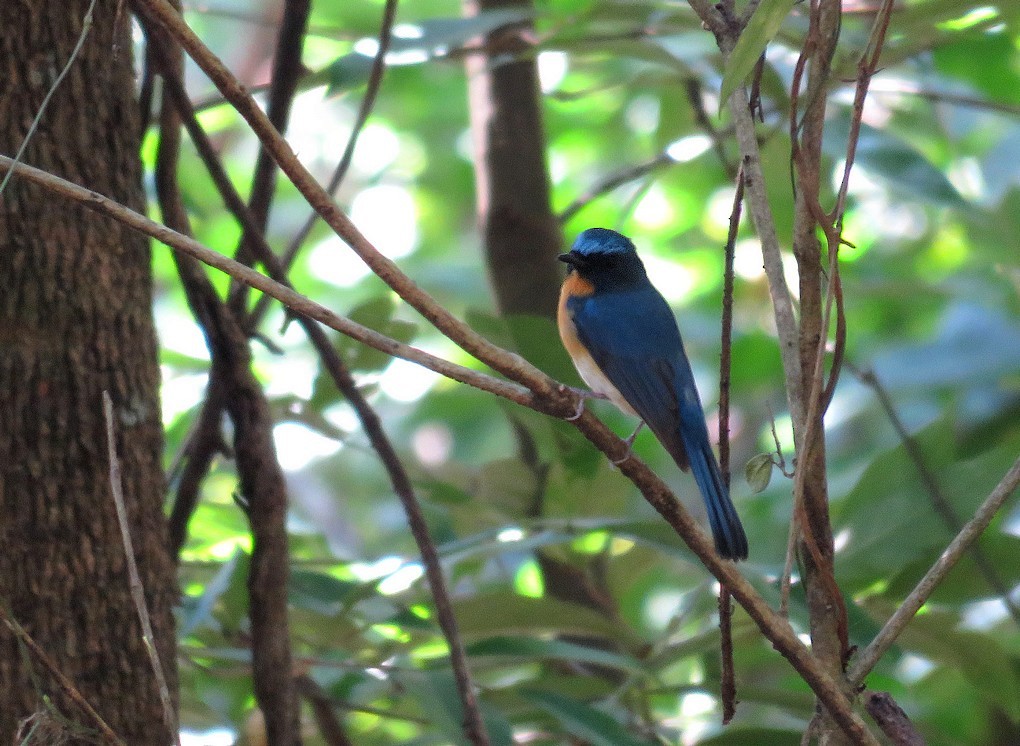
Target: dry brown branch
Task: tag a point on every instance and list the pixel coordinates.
(866, 661)
(65, 684)
(134, 579)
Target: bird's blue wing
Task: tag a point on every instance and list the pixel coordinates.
(633, 338)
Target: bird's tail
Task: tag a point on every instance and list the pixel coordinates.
(730, 539)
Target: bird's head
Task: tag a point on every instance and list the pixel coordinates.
(606, 258)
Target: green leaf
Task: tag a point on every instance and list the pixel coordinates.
(319, 592)
(230, 572)
(979, 657)
(758, 472)
(529, 648)
(760, 30)
(896, 161)
(506, 613)
(436, 691)
(583, 721)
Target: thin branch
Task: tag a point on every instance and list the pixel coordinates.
(939, 500)
(947, 97)
(727, 686)
(559, 402)
(865, 72)
(692, 87)
(198, 452)
(892, 719)
(135, 580)
(86, 26)
(761, 215)
(866, 661)
(375, 77)
(614, 180)
(65, 684)
(330, 726)
(287, 71)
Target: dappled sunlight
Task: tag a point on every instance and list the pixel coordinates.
(297, 445)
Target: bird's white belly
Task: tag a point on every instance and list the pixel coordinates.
(592, 375)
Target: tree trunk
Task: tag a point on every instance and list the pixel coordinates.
(522, 237)
(75, 319)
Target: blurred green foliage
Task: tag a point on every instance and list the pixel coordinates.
(931, 285)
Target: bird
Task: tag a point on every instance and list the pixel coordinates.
(625, 343)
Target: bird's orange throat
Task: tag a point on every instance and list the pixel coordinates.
(576, 286)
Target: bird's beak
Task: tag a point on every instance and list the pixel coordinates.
(572, 259)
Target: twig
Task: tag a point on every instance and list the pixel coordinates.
(865, 71)
(692, 87)
(761, 215)
(786, 580)
(200, 448)
(287, 70)
(892, 719)
(947, 97)
(135, 580)
(293, 300)
(330, 727)
(727, 682)
(547, 396)
(68, 688)
(727, 686)
(866, 661)
(614, 180)
(86, 26)
(939, 500)
(375, 77)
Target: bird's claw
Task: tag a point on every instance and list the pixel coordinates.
(630, 446)
(583, 395)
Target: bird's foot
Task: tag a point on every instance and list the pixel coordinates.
(584, 395)
(630, 445)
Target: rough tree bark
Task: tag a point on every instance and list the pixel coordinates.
(75, 319)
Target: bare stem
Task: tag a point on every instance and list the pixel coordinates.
(950, 556)
(134, 579)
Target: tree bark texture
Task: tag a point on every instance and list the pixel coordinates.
(75, 319)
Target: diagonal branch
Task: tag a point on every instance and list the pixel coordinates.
(287, 70)
(375, 77)
(557, 402)
(968, 535)
(940, 502)
(134, 578)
